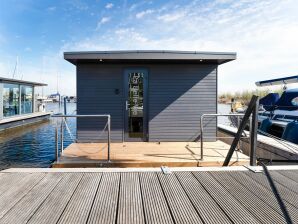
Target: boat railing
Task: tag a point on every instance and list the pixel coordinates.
(78, 116)
(216, 137)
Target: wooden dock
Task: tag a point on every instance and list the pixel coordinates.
(148, 154)
(95, 195)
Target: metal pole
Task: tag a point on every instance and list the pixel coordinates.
(247, 114)
(201, 126)
(65, 112)
(254, 134)
(56, 141)
(109, 137)
(61, 135)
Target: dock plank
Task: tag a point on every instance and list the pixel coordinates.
(258, 208)
(104, 209)
(17, 191)
(54, 205)
(130, 208)
(286, 194)
(6, 180)
(182, 209)
(78, 208)
(285, 181)
(208, 209)
(231, 206)
(293, 175)
(31, 201)
(263, 193)
(155, 205)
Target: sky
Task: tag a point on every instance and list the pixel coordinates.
(34, 35)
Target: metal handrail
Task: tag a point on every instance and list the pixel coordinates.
(80, 116)
(202, 128)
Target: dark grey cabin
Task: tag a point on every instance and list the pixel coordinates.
(150, 95)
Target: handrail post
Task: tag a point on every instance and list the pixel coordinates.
(201, 126)
(61, 135)
(254, 134)
(109, 137)
(56, 141)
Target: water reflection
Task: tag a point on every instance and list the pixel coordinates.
(34, 145)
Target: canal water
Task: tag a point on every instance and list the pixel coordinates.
(34, 145)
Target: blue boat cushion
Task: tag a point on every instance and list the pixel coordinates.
(265, 125)
(285, 101)
(269, 101)
(291, 132)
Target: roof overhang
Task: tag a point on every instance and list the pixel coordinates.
(149, 57)
(22, 82)
(279, 81)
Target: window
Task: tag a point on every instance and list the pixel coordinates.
(26, 99)
(11, 97)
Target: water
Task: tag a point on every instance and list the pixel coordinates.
(224, 109)
(34, 145)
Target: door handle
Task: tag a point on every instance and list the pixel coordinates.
(126, 104)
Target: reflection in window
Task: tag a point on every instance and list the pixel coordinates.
(10, 99)
(26, 99)
(295, 101)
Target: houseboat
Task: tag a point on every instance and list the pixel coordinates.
(19, 103)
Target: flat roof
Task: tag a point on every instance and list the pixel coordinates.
(17, 81)
(145, 56)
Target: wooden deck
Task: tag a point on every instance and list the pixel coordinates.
(148, 154)
(121, 196)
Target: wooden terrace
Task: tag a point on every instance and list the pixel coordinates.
(148, 154)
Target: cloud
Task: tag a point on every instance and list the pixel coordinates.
(171, 17)
(143, 13)
(52, 8)
(109, 5)
(28, 49)
(102, 21)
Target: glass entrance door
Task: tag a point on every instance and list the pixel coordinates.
(135, 105)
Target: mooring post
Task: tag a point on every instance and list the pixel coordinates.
(65, 111)
(61, 135)
(57, 144)
(254, 134)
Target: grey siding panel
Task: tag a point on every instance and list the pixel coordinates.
(96, 86)
(178, 96)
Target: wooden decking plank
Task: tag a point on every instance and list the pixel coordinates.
(13, 194)
(286, 194)
(104, 209)
(262, 211)
(285, 181)
(231, 206)
(130, 207)
(31, 201)
(292, 174)
(263, 193)
(52, 208)
(208, 209)
(155, 206)
(181, 207)
(78, 208)
(8, 179)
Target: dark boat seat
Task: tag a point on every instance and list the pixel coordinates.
(265, 125)
(291, 132)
